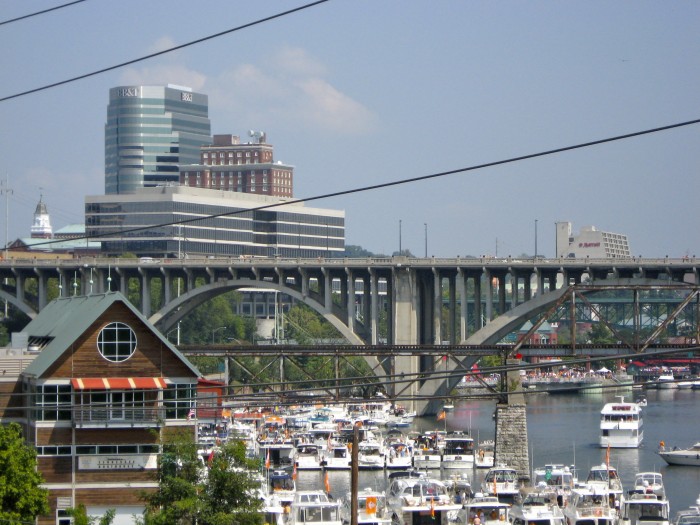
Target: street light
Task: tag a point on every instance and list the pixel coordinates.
(214, 332)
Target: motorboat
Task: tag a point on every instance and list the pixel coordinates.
(417, 501)
(427, 453)
(560, 479)
(274, 443)
(371, 508)
(501, 481)
(399, 452)
(690, 516)
(645, 509)
(371, 455)
(649, 483)
(604, 479)
(314, 506)
(666, 381)
(681, 456)
(308, 456)
(488, 509)
(337, 457)
(484, 454)
(589, 506)
(621, 425)
(281, 485)
(537, 507)
(458, 451)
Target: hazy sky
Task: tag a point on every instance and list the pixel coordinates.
(360, 92)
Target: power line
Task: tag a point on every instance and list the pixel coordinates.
(397, 182)
(165, 51)
(30, 15)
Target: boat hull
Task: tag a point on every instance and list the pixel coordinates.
(691, 459)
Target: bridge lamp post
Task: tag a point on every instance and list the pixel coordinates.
(213, 332)
(425, 225)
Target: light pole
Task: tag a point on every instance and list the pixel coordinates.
(214, 332)
(399, 236)
(535, 238)
(425, 224)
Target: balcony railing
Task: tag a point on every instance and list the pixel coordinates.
(117, 416)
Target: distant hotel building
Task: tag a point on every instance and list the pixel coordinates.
(172, 221)
(590, 242)
(229, 165)
(150, 132)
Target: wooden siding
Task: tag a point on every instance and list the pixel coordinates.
(152, 358)
(11, 399)
(96, 436)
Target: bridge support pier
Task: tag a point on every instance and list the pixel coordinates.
(511, 424)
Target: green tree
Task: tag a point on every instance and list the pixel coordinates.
(21, 497)
(223, 491)
(80, 517)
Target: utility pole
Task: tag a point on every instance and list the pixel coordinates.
(6, 191)
(425, 224)
(535, 238)
(399, 236)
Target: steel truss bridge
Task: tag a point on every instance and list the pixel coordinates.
(455, 305)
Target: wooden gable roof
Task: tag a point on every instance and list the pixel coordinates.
(68, 329)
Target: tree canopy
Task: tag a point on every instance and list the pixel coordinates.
(21, 497)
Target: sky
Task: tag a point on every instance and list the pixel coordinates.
(355, 93)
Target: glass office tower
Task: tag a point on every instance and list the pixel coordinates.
(150, 131)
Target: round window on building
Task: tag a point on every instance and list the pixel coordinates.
(116, 342)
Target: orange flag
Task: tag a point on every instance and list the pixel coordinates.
(327, 483)
(441, 415)
(607, 457)
(294, 472)
(267, 459)
(432, 507)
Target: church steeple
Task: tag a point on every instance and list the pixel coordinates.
(41, 229)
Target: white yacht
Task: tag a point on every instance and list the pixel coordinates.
(371, 508)
(488, 509)
(649, 483)
(666, 381)
(588, 506)
(690, 516)
(645, 509)
(307, 456)
(371, 455)
(417, 501)
(483, 457)
(399, 451)
(314, 506)
(537, 507)
(604, 479)
(458, 451)
(337, 457)
(681, 456)
(502, 482)
(621, 425)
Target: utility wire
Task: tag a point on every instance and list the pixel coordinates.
(163, 52)
(394, 183)
(30, 15)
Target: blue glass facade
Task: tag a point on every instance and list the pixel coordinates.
(150, 131)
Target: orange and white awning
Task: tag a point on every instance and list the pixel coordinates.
(118, 383)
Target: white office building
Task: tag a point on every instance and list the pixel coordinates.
(590, 242)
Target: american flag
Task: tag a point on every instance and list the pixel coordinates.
(191, 414)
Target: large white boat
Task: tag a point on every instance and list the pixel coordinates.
(621, 425)
(399, 451)
(458, 451)
(645, 509)
(488, 509)
(314, 506)
(681, 456)
(666, 381)
(538, 507)
(604, 479)
(502, 482)
(418, 501)
(588, 506)
(371, 508)
(483, 457)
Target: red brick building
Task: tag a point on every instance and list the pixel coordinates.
(230, 165)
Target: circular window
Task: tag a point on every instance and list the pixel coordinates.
(116, 342)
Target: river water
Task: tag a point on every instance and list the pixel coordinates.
(563, 428)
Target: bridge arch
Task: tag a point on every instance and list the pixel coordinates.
(19, 304)
(511, 320)
(167, 318)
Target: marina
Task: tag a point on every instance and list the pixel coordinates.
(564, 438)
